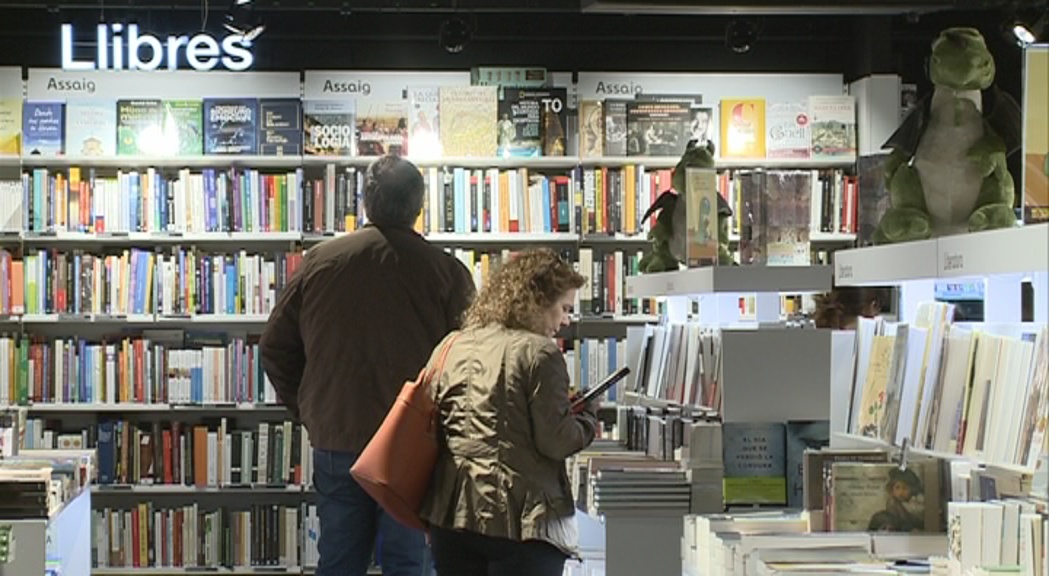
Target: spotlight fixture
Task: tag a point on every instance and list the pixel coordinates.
(1024, 28)
(241, 19)
(740, 35)
(455, 33)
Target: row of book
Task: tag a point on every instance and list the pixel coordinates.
(157, 368)
(215, 453)
(979, 391)
(180, 282)
(262, 536)
(458, 200)
(431, 121)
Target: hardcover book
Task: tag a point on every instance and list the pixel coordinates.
(657, 128)
(10, 127)
(280, 132)
(43, 128)
(183, 127)
(231, 126)
(833, 127)
(743, 128)
(382, 128)
(468, 120)
(788, 130)
(329, 128)
(139, 127)
(91, 128)
(591, 129)
(615, 127)
(424, 121)
(869, 497)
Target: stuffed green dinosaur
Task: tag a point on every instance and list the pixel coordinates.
(668, 233)
(947, 173)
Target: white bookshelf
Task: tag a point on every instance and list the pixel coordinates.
(145, 162)
(731, 279)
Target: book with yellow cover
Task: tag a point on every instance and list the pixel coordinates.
(468, 120)
(11, 127)
(743, 128)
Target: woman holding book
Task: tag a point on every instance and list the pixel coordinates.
(500, 501)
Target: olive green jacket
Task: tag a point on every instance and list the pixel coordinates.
(505, 429)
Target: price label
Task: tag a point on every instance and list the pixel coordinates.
(953, 262)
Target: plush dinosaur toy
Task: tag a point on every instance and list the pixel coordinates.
(668, 233)
(946, 173)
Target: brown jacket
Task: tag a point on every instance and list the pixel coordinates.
(505, 431)
(361, 316)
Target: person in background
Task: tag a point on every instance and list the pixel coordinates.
(358, 319)
(500, 501)
(841, 308)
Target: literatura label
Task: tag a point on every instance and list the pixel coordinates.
(142, 51)
(845, 271)
(953, 262)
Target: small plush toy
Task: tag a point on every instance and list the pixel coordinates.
(668, 234)
(947, 173)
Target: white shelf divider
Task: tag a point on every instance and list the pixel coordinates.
(731, 279)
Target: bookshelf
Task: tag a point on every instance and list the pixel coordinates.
(614, 242)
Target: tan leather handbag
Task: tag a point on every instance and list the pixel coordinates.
(396, 466)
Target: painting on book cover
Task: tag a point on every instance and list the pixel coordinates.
(885, 497)
(833, 126)
(382, 128)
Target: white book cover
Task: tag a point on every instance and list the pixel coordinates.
(787, 130)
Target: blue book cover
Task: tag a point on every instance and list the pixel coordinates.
(43, 129)
(281, 127)
(231, 126)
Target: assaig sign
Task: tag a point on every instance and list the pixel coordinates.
(120, 47)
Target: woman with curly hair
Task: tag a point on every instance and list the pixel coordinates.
(500, 501)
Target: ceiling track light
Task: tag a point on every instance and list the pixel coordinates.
(741, 34)
(241, 19)
(454, 34)
(1024, 31)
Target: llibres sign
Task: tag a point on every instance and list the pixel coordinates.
(120, 47)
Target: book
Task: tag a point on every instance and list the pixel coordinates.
(183, 127)
(743, 128)
(591, 128)
(43, 128)
(424, 121)
(329, 128)
(468, 120)
(615, 127)
(833, 129)
(10, 127)
(91, 128)
(382, 128)
(871, 497)
(280, 126)
(139, 127)
(657, 128)
(231, 126)
(788, 130)
(755, 463)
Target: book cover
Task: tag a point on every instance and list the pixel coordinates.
(872, 197)
(657, 128)
(43, 128)
(802, 436)
(615, 127)
(10, 127)
(553, 108)
(755, 463)
(468, 120)
(382, 128)
(520, 125)
(592, 128)
(329, 128)
(280, 126)
(788, 213)
(231, 126)
(1035, 179)
(704, 127)
(424, 121)
(701, 229)
(184, 127)
(743, 128)
(833, 127)
(788, 130)
(871, 497)
(91, 128)
(139, 127)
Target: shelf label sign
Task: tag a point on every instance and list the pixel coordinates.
(143, 51)
(953, 262)
(845, 272)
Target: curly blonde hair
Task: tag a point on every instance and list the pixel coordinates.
(516, 294)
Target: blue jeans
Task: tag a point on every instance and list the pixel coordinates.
(350, 522)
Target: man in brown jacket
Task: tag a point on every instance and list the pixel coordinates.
(360, 317)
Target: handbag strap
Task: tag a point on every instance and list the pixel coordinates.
(438, 369)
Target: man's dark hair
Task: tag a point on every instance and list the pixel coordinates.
(393, 191)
